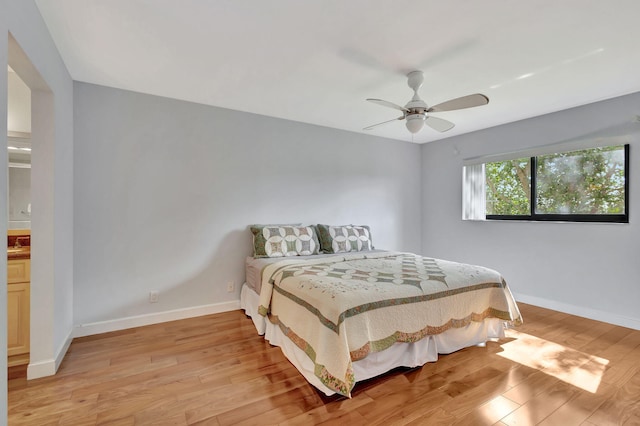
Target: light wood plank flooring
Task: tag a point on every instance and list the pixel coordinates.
(557, 369)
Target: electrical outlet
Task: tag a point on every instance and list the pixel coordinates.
(231, 286)
(153, 297)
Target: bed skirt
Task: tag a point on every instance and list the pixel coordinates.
(398, 355)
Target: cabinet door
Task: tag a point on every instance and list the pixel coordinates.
(18, 271)
(18, 318)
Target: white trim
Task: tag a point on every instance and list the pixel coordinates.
(41, 369)
(62, 351)
(580, 311)
(50, 367)
(154, 318)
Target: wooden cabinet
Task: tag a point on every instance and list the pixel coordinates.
(18, 303)
(18, 271)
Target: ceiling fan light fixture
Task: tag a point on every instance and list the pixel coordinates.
(415, 122)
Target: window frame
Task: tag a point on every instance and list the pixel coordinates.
(548, 217)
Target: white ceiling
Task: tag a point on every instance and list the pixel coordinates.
(316, 61)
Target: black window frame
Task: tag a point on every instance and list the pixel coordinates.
(546, 217)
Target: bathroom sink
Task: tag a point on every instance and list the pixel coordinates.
(18, 251)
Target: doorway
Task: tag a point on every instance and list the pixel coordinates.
(40, 211)
(19, 224)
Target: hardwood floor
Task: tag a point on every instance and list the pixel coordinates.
(556, 369)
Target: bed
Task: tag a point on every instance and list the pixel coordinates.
(345, 317)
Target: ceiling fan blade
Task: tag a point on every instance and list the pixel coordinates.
(463, 102)
(439, 124)
(388, 104)
(384, 122)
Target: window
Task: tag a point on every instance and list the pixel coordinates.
(508, 187)
(589, 185)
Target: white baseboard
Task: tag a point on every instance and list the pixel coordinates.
(580, 311)
(45, 368)
(154, 318)
(49, 367)
(62, 350)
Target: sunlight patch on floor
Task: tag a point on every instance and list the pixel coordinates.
(569, 365)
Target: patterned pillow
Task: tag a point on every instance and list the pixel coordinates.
(284, 240)
(343, 239)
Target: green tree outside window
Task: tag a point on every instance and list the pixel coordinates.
(585, 182)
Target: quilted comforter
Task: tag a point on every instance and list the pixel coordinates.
(339, 309)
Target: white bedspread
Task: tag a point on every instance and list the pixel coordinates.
(340, 310)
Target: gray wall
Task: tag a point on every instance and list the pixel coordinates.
(165, 190)
(582, 268)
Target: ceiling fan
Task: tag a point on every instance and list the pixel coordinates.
(418, 113)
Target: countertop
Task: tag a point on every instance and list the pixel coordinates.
(18, 253)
